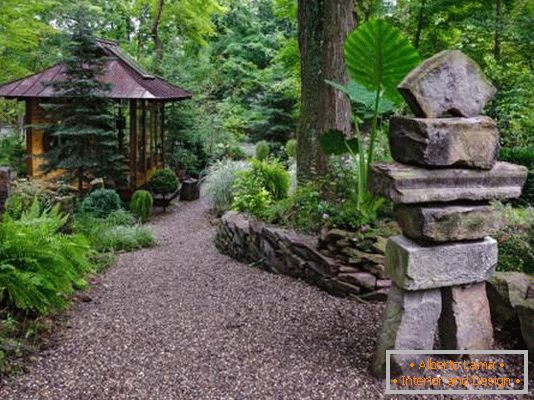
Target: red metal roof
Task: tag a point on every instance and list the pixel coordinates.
(128, 80)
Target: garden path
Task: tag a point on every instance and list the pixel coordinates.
(181, 321)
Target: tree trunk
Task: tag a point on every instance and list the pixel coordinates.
(420, 19)
(323, 27)
(498, 29)
(155, 36)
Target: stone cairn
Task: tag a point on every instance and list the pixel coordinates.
(442, 182)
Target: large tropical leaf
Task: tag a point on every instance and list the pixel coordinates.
(359, 94)
(378, 57)
(333, 142)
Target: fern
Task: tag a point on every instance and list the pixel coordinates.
(39, 266)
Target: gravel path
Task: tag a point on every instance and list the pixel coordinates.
(181, 321)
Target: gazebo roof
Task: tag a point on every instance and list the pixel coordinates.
(127, 78)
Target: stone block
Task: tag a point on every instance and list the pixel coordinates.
(361, 279)
(447, 224)
(525, 312)
(465, 322)
(410, 322)
(415, 267)
(444, 142)
(406, 184)
(505, 291)
(447, 83)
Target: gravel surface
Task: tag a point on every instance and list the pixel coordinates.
(181, 321)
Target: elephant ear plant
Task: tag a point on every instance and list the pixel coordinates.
(378, 57)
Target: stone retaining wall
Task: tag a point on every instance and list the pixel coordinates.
(286, 252)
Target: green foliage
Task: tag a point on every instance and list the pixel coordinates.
(118, 231)
(40, 267)
(330, 201)
(219, 184)
(378, 57)
(126, 238)
(13, 154)
(24, 194)
(522, 156)
(84, 138)
(183, 158)
(141, 204)
(250, 196)
(291, 148)
(516, 241)
(256, 189)
(164, 181)
(334, 142)
(262, 150)
(101, 203)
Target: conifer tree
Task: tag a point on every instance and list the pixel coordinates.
(83, 139)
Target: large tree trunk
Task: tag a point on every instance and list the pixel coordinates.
(155, 34)
(323, 27)
(420, 18)
(498, 30)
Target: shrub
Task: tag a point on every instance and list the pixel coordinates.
(219, 184)
(163, 182)
(516, 240)
(291, 148)
(127, 238)
(257, 189)
(250, 195)
(40, 267)
(185, 159)
(101, 203)
(13, 154)
(141, 204)
(236, 153)
(273, 177)
(522, 156)
(262, 150)
(118, 231)
(24, 194)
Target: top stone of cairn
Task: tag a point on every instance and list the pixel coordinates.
(447, 83)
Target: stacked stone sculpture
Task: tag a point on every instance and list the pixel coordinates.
(442, 182)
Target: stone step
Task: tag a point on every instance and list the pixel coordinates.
(447, 83)
(447, 223)
(407, 184)
(444, 142)
(415, 267)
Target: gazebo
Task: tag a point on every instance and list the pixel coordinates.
(139, 99)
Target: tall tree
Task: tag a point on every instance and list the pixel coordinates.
(84, 142)
(323, 27)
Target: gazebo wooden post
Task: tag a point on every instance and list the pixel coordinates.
(29, 140)
(162, 133)
(143, 134)
(133, 144)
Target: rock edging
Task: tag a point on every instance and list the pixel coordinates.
(287, 252)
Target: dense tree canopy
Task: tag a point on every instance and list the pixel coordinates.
(241, 58)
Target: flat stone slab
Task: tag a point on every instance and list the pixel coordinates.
(407, 184)
(414, 267)
(448, 223)
(410, 323)
(447, 83)
(465, 322)
(444, 142)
